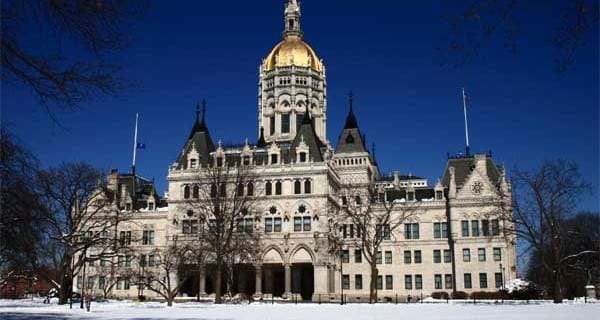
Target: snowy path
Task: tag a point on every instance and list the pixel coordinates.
(18, 310)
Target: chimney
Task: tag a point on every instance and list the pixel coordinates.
(452, 186)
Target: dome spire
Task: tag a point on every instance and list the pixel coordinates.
(292, 20)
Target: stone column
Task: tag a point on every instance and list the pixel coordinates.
(321, 282)
(258, 289)
(202, 281)
(288, 279)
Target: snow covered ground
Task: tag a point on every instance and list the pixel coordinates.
(27, 309)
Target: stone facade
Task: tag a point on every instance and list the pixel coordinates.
(455, 241)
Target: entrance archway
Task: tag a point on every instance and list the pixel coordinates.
(302, 274)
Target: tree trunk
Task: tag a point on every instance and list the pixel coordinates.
(373, 285)
(170, 301)
(556, 290)
(66, 284)
(218, 290)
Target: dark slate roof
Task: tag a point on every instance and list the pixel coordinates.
(463, 167)
(390, 177)
(350, 140)
(144, 190)
(420, 193)
(306, 132)
(200, 138)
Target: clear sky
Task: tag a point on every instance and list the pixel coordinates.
(385, 51)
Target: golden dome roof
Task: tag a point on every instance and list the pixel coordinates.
(292, 51)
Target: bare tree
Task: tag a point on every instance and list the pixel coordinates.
(100, 28)
(374, 218)
(224, 199)
(21, 233)
(81, 216)
(544, 200)
(480, 21)
(163, 277)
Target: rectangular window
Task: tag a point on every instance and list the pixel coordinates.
(268, 224)
(120, 261)
(346, 282)
(485, 227)
(447, 256)
(437, 231)
(467, 255)
(415, 231)
(101, 282)
(273, 159)
(128, 261)
(285, 123)
(358, 282)
(125, 238)
(126, 284)
(151, 260)
(379, 282)
(389, 282)
(357, 256)
(483, 281)
(411, 231)
(465, 228)
(498, 280)
(437, 256)
(475, 228)
(248, 225)
(388, 257)
(142, 260)
(448, 281)
(297, 224)
(495, 227)
(468, 284)
(497, 254)
(444, 230)
(345, 256)
(278, 188)
(438, 281)
(151, 206)
(90, 282)
(383, 230)
(276, 224)
(407, 257)
(418, 258)
(272, 125)
(306, 223)
(408, 282)
(418, 282)
(439, 195)
(378, 258)
(148, 237)
(481, 254)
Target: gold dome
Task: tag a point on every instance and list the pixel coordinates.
(292, 51)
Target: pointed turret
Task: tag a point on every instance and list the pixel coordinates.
(306, 136)
(350, 140)
(199, 141)
(261, 139)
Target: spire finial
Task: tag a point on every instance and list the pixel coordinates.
(292, 19)
(203, 111)
(373, 149)
(350, 100)
(197, 113)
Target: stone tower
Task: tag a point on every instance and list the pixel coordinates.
(291, 81)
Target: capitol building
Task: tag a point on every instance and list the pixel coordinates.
(455, 240)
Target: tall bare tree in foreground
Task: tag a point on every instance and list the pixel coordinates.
(225, 203)
(544, 200)
(374, 219)
(81, 217)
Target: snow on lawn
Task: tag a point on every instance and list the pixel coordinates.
(28, 309)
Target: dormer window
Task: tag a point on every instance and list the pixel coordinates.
(302, 157)
(151, 206)
(410, 196)
(246, 160)
(439, 195)
(219, 161)
(349, 139)
(193, 163)
(127, 206)
(273, 159)
(344, 201)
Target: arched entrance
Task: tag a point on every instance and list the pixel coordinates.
(273, 274)
(302, 274)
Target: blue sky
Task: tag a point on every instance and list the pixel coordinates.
(409, 105)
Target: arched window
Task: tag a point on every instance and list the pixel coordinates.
(250, 189)
(278, 188)
(213, 191)
(297, 187)
(268, 187)
(186, 192)
(307, 186)
(240, 190)
(358, 201)
(196, 192)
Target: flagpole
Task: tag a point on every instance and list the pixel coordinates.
(133, 196)
(466, 123)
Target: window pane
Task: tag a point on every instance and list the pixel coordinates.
(485, 227)
(297, 224)
(468, 284)
(475, 228)
(466, 255)
(483, 281)
(438, 281)
(465, 228)
(389, 282)
(358, 281)
(285, 123)
(437, 256)
(418, 258)
(408, 282)
(495, 227)
(407, 257)
(357, 256)
(481, 254)
(418, 281)
(388, 257)
(447, 256)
